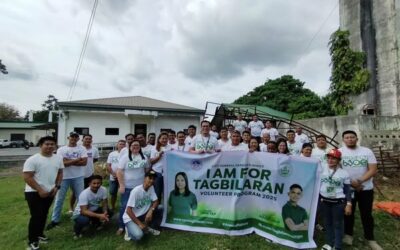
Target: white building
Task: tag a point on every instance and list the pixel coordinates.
(110, 119)
(21, 130)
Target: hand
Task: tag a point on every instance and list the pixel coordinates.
(104, 217)
(347, 209)
(201, 151)
(121, 189)
(43, 194)
(114, 175)
(53, 191)
(149, 216)
(142, 226)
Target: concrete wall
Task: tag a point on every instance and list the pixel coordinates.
(31, 135)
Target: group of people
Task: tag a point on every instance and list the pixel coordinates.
(136, 173)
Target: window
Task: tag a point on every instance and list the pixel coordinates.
(82, 131)
(112, 131)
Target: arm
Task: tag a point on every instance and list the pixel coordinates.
(109, 169)
(349, 205)
(70, 162)
(157, 158)
(149, 215)
(28, 178)
(59, 177)
(121, 180)
(82, 162)
(133, 217)
(299, 227)
(86, 212)
(372, 170)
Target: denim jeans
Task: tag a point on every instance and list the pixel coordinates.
(159, 185)
(134, 231)
(124, 201)
(334, 223)
(82, 221)
(77, 187)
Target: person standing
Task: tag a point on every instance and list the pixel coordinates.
(294, 147)
(223, 134)
(75, 160)
(235, 144)
(204, 142)
(112, 167)
(265, 139)
(146, 148)
(361, 164)
(180, 145)
(151, 139)
(255, 128)
(42, 174)
(300, 137)
(191, 135)
(240, 124)
(129, 139)
(172, 138)
(320, 151)
(214, 131)
(269, 129)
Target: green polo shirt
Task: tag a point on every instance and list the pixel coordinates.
(296, 213)
(182, 205)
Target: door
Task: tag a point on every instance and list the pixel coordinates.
(141, 129)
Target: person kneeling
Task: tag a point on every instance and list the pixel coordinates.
(139, 209)
(92, 207)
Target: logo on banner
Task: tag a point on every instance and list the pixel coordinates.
(285, 170)
(196, 165)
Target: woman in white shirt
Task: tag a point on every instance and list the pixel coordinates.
(156, 156)
(130, 173)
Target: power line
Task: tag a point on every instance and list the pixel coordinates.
(83, 51)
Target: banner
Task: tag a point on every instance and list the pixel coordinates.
(237, 193)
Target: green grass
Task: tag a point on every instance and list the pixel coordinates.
(14, 216)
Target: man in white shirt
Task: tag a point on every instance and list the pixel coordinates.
(112, 167)
(239, 124)
(223, 134)
(191, 135)
(42, 174)
(129, 139)
(246, 138)
(265, 139)
(151, 139)
(180, 145)
(361, 164)
(235, 144)
(204, 142)
(214, 131)
(92, 206)
(172, 138)
(146, 148)
(140, 209)
(300, 137)
(231, 128)
(320, 151)
(255, 128)
(75, 159)
(294, 147)
(273, 132)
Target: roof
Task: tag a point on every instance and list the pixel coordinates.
(259, 110)
(130, 102)
(19, 125)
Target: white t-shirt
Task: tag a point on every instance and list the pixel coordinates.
(320, 154)
(182, 148)
(209, 143)
(240, 147)
(355, 162)
(273, 133)
(222, 143)
(240, 125)
(46, 170)
(133, 169)
(112, 159)
(92, 153)
(214, 134)
(123, 152)
(303, 138)
(295, 148)
(147, 150)
(255, 128)
(332, 183)
(140, 201)
(72, 153)
(263, 147)
(93, 201)
(189, 141)
(158, 167)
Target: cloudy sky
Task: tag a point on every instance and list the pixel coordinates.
(187, 52)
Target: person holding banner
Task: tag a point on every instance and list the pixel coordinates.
(294, 216)
(223, 134)
(235, 144)
(180, 145)
(181, 201)
(335, 199)
(306, 150)
(293, 146)
(282, 146)
(253, 145)
(140, 207)
(271, 147)
(131, 170)
(204, 142)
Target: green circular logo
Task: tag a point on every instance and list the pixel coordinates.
(285, 170)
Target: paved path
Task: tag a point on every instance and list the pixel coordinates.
(18, 151)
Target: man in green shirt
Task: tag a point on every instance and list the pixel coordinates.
(294, 217)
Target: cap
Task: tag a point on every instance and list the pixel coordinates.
(151, 173)
(73, 133)
(335, 153)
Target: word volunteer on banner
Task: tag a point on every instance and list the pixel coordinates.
(237, 193)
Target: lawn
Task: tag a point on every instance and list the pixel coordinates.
(14, 217)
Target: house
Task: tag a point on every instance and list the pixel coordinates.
(110, 119)
(23, 130)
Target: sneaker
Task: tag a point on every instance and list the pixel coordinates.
(319, 227)
(77, 236)
(326, 247)
(43, 239)
(52, 225)
(348, 240)
(374, 246)
(153, 231)
(120, 231)
(33, 246)
(126, 236)
(70, 212)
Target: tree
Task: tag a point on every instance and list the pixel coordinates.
(50, 104)
(349, 76)
(3, 68)
(8, 112)
(288, 95)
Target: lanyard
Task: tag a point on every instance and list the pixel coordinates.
(202, 139)
(330, 176)
(183, 147)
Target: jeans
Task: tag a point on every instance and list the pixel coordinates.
(364, 199)
(124, 201)
(333, 219)
(113, 187)
(134, 231)
(82, 221)
(77, 187)
(38, 208)
(159, 185)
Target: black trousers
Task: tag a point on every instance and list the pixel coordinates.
(364, 199)
(38, 208)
